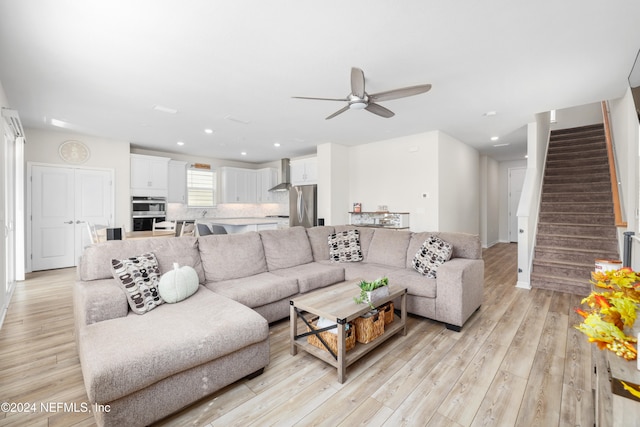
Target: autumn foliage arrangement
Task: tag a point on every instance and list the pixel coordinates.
(612, 310)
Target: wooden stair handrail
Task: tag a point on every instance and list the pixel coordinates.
(617, 211)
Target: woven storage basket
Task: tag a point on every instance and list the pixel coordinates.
(369, 328)
(332, 339)
(387, 311)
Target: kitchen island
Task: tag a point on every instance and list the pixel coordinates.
(242, 225)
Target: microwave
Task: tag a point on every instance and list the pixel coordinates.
(145, 207)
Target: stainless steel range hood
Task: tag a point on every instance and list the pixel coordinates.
(285, 177)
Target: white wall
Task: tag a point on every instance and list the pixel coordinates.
(431, 175)
(42, 147)
(396, 172)
(4, 295)
(489, 201)
(459, 186)
(333, 179)
(625, 133)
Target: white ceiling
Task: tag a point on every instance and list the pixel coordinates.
(100, 67)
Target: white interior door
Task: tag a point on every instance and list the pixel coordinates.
(516, 181)
(53, 217)
(93, 203)
(63, 200)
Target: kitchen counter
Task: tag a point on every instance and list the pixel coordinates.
(240, 221)
(243, 225)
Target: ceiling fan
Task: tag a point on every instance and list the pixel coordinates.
(358, 99)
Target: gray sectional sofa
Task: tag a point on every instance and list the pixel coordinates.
(145, 367)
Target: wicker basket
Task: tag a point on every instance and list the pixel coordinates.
(332, 339)
(387, 311)
(369, 328)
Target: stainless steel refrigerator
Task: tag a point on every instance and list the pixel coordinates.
(303, 201)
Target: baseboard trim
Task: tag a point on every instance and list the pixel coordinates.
(523, 285)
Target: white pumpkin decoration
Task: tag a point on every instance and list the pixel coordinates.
(178, 284)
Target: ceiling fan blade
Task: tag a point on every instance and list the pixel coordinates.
(357, 82)
(321, 99)
(400, 93)
(379, 110)
(340, 111)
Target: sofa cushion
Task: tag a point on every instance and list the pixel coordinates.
(170, 339)
(139, 277)
(257, 290)
(366, 234)
(389, 247)
(313, 275)
(432, 254)
(232, 256)
(344, 246)
(464, 245)
(416, 283)
(286, 248)
(96, 259)
(318, 240)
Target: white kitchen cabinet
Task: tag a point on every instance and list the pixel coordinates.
(149, 175)
(177, 185)
(237, 185)
(304, 171)
(265, 179)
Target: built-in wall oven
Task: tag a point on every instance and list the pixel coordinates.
(145, 210)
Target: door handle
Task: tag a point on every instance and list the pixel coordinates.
(68, 222)
(80, 222)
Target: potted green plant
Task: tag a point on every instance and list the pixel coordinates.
(371, 291)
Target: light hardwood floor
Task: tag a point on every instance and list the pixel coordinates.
(518, 361)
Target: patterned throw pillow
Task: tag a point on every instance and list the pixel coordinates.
(345, 246)
(139, 277)
(432, 254)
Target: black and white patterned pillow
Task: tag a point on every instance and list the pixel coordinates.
(139, 277)
(432, 254)
(345, 246)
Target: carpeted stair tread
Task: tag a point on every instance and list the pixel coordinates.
(563, 284)
(578, 178)
(602, 197)
(585, 207)
(570, 146)
(600, 167)
(585, 152)
(578, 162)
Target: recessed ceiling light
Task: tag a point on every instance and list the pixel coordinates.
(244, 153)
(208, 131)
(276, 144)
(180, 143)
(59, 123)
(165, 109)
(495, 138)
(490, 113)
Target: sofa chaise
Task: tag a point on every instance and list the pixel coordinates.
(144, 367)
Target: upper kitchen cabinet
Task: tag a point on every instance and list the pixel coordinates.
(149, 175)
(304, 171)
(177, 191)
(237, 185)
(265, 179)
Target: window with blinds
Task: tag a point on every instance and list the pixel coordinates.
(201, 188)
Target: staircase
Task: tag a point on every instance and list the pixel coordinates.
(576, 224)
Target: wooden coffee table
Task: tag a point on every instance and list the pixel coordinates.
(336, 304)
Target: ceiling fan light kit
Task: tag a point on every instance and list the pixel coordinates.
(358, 99)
